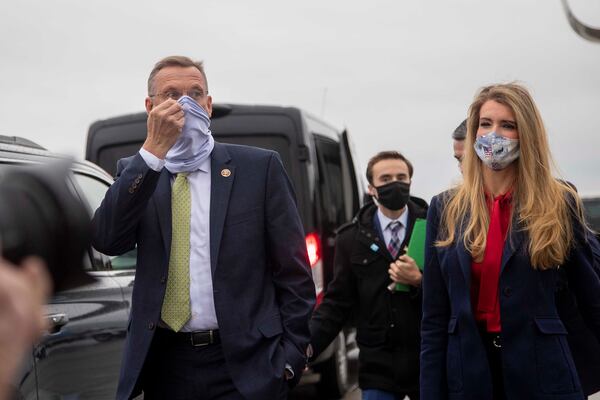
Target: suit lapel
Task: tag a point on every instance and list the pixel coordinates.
(162, 199)
(222, 174)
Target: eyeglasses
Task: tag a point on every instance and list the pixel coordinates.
(195, 94)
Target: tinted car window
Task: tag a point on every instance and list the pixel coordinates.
(330, 178)
(331, 196)
(280, 144)
(111, 154)
(94, 190)
(592, 212)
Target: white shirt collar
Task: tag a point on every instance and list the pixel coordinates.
(205, 165)
(385, 221)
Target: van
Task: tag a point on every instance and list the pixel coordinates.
(321, 165)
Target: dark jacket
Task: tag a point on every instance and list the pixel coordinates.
(263, 290)
(536, 360)
(584, 345)
(387, 323)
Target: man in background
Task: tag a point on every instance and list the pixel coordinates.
(369, 255)
(458, 142)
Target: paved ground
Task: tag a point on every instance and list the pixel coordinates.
(306, 394)
(309, 393)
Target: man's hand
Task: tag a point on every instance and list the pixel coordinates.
(165, 122)
(23, 293)
(404, 270)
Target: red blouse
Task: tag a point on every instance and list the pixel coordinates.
(485, 275)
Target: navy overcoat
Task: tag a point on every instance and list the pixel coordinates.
(536, 359)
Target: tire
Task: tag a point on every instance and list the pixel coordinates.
(334, 372)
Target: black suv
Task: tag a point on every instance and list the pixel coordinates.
(591, 205)
(319, 161)
(81, 356)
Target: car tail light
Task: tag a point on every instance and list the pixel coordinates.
(313, 247)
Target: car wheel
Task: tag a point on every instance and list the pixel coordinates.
(334, 372)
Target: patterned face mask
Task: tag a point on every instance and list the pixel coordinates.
(495, 151)
(195, 143)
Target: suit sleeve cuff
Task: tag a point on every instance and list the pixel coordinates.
(153, 162)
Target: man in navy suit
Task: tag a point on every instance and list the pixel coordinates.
(223, 291)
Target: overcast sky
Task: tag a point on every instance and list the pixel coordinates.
(397, 74)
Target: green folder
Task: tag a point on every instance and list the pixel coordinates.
(416, 249)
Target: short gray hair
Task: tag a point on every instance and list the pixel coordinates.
(175, 61)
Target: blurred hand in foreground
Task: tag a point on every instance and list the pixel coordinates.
(23, 293)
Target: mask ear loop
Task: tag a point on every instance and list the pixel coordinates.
(376, 201)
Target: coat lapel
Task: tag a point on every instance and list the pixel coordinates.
(162, 199)
(465, 261)
(222, 174)
(511, 244)
(377, 237)
(515, 239)
(464, 257)
(371, 240)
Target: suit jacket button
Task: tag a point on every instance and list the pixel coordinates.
(365, 261)
(131, 190)
(507, 291)
(150, 325)
(140, 176)
(137, 180)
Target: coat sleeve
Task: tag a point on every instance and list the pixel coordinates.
(583, 272)
(340, 298)
(292, 277)
(436, 314)
(115, 222)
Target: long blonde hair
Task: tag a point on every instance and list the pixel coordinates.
(539, 200)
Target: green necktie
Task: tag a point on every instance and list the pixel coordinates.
(176, 310)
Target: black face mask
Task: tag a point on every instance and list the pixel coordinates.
(393, 195)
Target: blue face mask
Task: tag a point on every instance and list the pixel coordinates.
(495, 151)
(195, 143)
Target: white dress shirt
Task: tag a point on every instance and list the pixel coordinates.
(384, 223)
(204, 316)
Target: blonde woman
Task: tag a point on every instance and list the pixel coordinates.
(490, 329)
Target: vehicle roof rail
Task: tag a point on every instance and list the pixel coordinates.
(17, 140)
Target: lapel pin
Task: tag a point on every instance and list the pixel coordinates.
(374, 247)
(226, 173)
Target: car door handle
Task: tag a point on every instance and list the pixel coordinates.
(57, 321)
